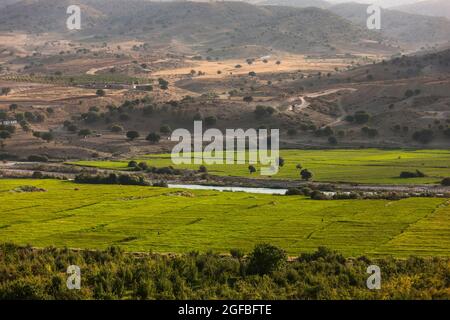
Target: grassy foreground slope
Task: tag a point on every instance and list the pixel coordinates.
(169, 220)
(361, 166)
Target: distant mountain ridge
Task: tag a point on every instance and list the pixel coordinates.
(401, 26)
(436, 8)
(322, 4)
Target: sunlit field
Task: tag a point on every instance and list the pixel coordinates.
(169, 220)
(371, 166)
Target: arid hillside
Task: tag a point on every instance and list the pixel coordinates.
(218, 27)
(138, 70)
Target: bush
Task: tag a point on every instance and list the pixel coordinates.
(165, 170)
(91, 117)
(307, 191)
(324, 132)
(72, 128)
(153, 137)
(350, 118)
(346, 196)
(142, 165)
(122, 179)
(116, 128)
(84, 132)
(47, 136)
(247, 99)
(37, 175)
(266, 259)
(306, 174)
(361, 117)
(132, 164)
(5, 91)
(409, 93)
(29, 189)
(132, 135)
(407, 174)
(263, 111)
(318, 195)
(161, 184)
(370, 132)
(10, 129)
(445, 182)
(163, 84)
(5, 135)
(333, 141)
(237, 253)
(294, 192)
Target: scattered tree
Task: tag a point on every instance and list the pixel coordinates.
(84, 133)
(247, 99)
(5, 91)
(266, 259)
(306, 174)
(132, 135)
(153, 137)
(445, 182)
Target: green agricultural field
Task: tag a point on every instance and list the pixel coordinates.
(361, 166)
(168, 220)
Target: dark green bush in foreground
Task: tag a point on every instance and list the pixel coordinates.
(26, 273)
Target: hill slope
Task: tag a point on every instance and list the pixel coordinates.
(198, 25)
(296, 3)
(401, 26)
(437, 8)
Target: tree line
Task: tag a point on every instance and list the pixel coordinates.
(264, 273)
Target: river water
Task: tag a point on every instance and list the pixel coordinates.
(230, 189)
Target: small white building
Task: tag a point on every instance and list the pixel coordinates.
(8, 122)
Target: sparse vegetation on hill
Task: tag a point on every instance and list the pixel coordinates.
(290, 29)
